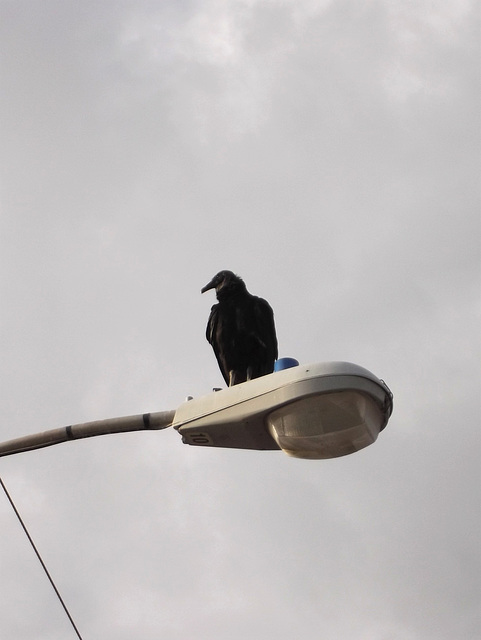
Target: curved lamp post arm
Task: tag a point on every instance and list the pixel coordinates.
(145, 421)
(314, 411)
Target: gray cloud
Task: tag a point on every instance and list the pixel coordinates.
(329, 153)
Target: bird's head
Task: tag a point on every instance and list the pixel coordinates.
(223, 282)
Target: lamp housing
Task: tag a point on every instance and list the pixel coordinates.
(314, 411)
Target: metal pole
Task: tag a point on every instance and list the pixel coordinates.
(145, 421)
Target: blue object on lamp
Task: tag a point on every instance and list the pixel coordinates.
(285, 363)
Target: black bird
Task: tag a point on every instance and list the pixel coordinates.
(241, 330)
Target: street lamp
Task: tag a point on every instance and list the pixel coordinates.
(313, 411)
(316, 411)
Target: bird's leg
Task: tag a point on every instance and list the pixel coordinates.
(236, 377)
(249, 373)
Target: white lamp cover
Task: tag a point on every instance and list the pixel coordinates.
(326, 426)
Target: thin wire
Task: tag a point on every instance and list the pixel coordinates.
(40, 559)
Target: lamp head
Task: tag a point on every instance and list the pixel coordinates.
(316, 411)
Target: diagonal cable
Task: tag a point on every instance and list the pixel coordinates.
(40, 559)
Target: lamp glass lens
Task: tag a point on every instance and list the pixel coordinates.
(327, 425)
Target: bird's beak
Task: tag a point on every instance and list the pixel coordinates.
(210, 285)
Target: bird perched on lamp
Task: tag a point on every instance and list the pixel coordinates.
(241, 330)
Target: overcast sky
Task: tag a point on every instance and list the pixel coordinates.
(329, 153)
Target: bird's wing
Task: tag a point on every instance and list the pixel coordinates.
(211, 334)
(211, 325)
(266, 327)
